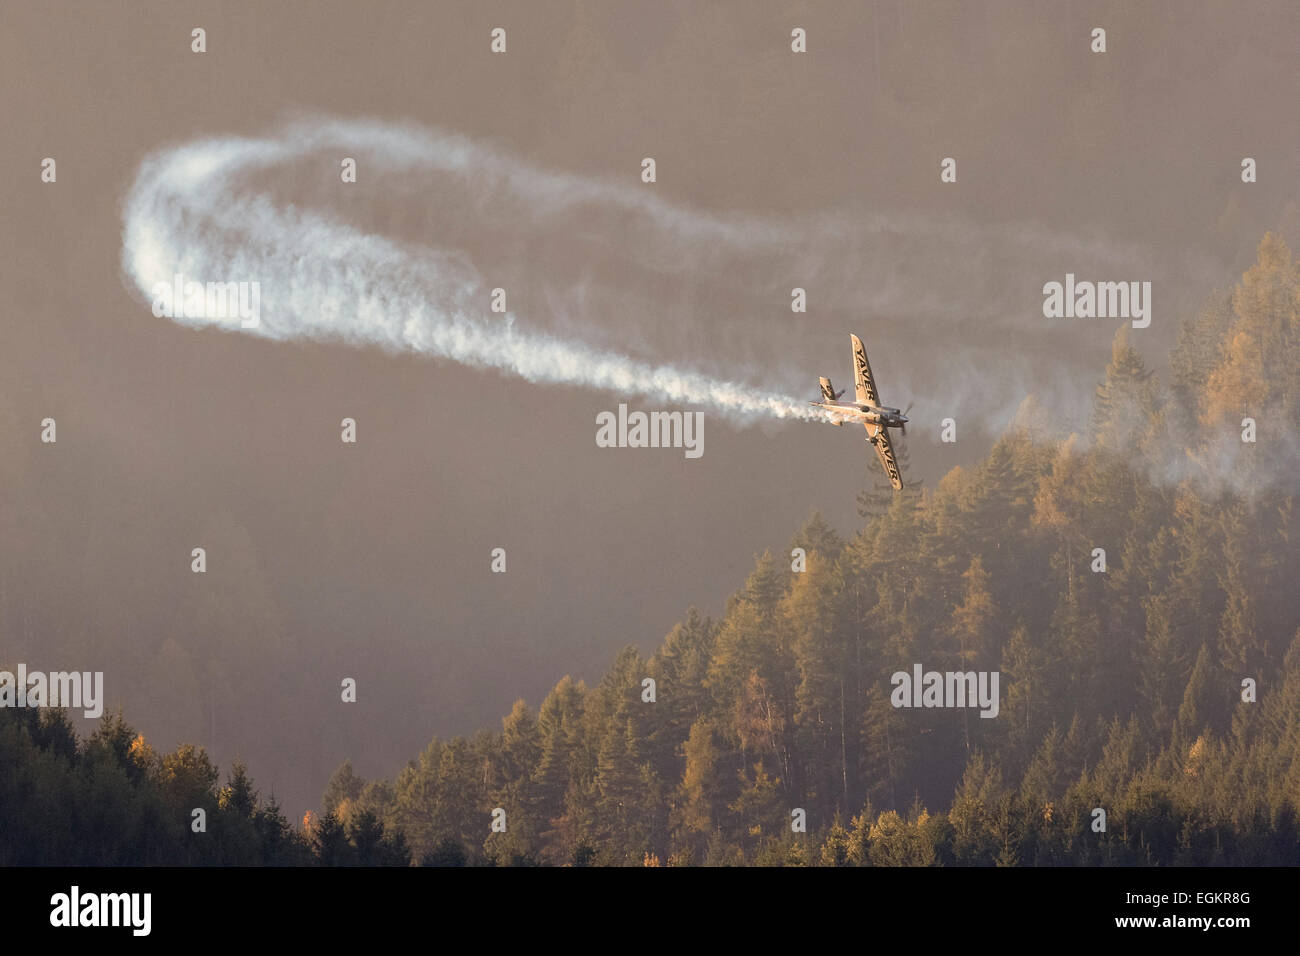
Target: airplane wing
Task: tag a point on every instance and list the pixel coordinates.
(885, 451)
(864, 384)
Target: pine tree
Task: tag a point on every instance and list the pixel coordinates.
(875, 499)
(1125, 402)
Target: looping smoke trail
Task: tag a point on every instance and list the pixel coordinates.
(196, 211)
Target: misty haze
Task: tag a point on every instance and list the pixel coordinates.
(1115, 424)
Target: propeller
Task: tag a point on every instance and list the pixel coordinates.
(905, 411)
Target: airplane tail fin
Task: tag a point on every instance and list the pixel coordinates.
(828, 393)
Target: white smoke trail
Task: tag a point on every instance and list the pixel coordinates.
(613, 278)
(189, 213)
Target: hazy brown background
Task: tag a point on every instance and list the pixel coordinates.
(371, 562)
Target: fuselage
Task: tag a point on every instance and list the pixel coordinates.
(863, 414)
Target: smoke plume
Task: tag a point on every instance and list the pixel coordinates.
(609, 286)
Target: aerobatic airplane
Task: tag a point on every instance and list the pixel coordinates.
(867, 410)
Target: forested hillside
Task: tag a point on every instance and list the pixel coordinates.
(1121, 689)
(113, 800)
